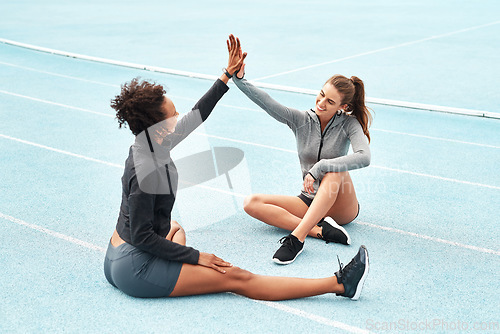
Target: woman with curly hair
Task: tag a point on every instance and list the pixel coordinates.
(147, 255)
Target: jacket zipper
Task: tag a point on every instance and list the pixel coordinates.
(169, 182)
(323, 134)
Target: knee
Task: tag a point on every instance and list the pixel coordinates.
(175, 226)
(333, 176)
(239, 275)
(251, 203)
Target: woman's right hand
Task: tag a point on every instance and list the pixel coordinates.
(214, 262)
(236, 55)
(241, 73)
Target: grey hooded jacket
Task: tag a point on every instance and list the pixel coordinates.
(319, 153)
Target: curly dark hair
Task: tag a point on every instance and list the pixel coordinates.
(139, 105)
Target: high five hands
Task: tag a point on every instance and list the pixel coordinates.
(236, 57)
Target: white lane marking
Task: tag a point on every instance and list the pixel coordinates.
(53, 233)
(434, 138)
(258, 145)
(245, 142)
(58, 74)
(437, 177)
(56, 104)
(242, 108)
(107, 163)
(390, 102)
(380, 50)
(242, 195)
(426, 237)
(60, 151)
(313, 317)
(373, 166)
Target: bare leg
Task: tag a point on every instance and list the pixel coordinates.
(285, 212)
(195, 280)
(335, 198)
(176, 233)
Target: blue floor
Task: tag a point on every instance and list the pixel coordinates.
(428, 201)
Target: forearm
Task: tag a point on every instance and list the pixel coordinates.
(340, 164)
(224, 78)
(275, 109)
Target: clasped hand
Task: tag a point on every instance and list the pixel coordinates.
(236, 55)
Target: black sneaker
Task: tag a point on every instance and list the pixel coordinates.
(333, 232)
(354, 274)
(290, 248)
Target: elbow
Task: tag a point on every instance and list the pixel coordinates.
(138, 239)
(365, 159)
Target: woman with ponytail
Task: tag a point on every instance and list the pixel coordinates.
(327, 200)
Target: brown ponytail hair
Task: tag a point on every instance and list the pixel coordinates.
(353, 94)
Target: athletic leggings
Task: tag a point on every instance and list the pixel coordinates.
(138, 273)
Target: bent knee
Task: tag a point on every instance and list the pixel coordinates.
(251, 203)
(175, 228)
(334, 176)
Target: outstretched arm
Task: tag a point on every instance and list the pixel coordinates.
(203, 108)
(291, 117)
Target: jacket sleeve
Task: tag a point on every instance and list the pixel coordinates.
(200, 112)
(142, 235)
(288, 116)
(360, 157)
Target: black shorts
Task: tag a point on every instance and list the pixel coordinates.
(308, 202)
(305, 199)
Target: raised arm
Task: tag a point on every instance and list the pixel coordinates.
(203, 108)
(279, 112)
(291, 117)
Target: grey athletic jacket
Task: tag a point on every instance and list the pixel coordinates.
(319, 153)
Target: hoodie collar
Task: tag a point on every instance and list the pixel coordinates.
(336, 119)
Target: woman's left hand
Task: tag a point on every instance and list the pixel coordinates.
(309, 184)
(236, 56)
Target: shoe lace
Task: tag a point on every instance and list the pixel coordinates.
(345, 269)
(286, 241)
(341, 266)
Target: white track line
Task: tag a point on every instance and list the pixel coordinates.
(437, 177)
(57, 74)
(107, 163)
(56, 104)
(426, 237)
(230, 106)
(253, 144)
(381, 50)
(243, 195)
(435, 138)
(275, 305)
(313, 317)
(61, 151)
(390, 102)
(53, 233)
(373, 166)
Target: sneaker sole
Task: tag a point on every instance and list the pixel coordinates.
(363, 278)
(278, 261)
(337, 226)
